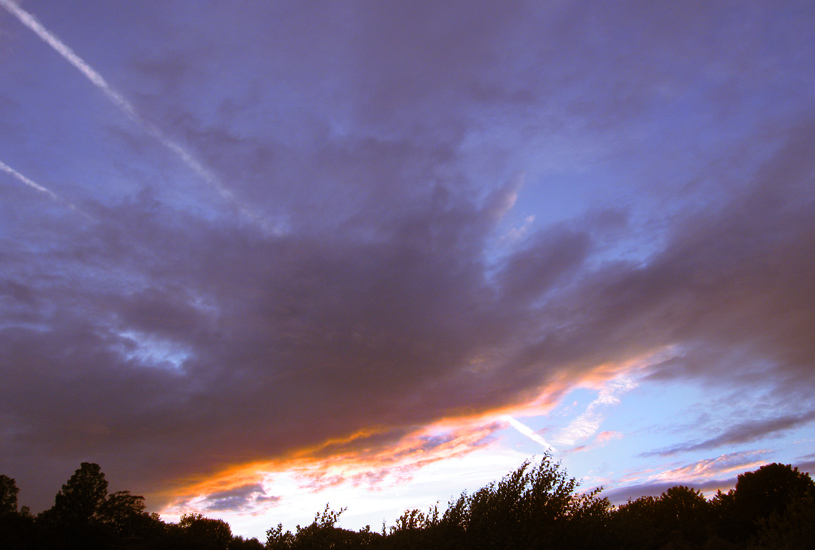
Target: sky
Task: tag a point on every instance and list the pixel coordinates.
(256, 257)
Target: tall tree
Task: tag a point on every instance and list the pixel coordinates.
(758, 495)
(794, 529)
(684, 510)
(8, 495)
(535, 506)
(82, 497)
(124, 513)
(204, 533)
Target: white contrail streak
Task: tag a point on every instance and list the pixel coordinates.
(117, 99)
(62, 49)
(528, 432)
(33, 184)
(29, 182)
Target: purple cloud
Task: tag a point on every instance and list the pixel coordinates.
(745, 432)
(240, 498)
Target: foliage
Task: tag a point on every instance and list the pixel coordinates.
(82, 497)
(650, 522)
(684, 510)
(534, 507)
(321, 533)
(204, 533)
(15, 526)
(791, 530)
(8, 496)
(276, 539)
(757, 496)
(240, 543)
(634, 524)
(417, 529)
(124, 514)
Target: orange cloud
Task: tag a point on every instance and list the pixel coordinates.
(370, 457)
(605, 437)
(713, 467)
(314, 470)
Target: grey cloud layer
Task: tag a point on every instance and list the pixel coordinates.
(745, 432)
(170, 339)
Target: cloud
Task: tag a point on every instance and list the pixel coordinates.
(745, 432)
(356, 461)
(240, 498)
(605, 437)
(589, 421)
(705, 475)
(384, 306)
(622, 495)
(708, 468)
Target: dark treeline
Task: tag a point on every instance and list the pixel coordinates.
(534, 507)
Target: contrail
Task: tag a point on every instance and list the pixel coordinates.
(124, 105)
(62, 49)
(33, 184)
(528, 432)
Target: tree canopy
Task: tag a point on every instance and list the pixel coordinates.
(535, 507)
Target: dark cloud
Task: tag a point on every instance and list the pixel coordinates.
(171, 339)
(238, 499)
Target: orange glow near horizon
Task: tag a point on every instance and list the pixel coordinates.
(344, 460)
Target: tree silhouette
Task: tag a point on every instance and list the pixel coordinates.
(685, 511)
(8, 496)
(240, 543)
(635, 524)
(319, 534)
(650, 522)
(124, 513)
(15, 527)
(794, 529)
(533, 507)
(758, 495)
(75, 520)
(82, 497)
(204, 533)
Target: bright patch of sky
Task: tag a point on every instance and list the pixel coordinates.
(152, 351)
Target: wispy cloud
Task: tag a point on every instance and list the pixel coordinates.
(744, 432)
(708, 475)
(589, 421)
(713, 467)
(350, 462)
